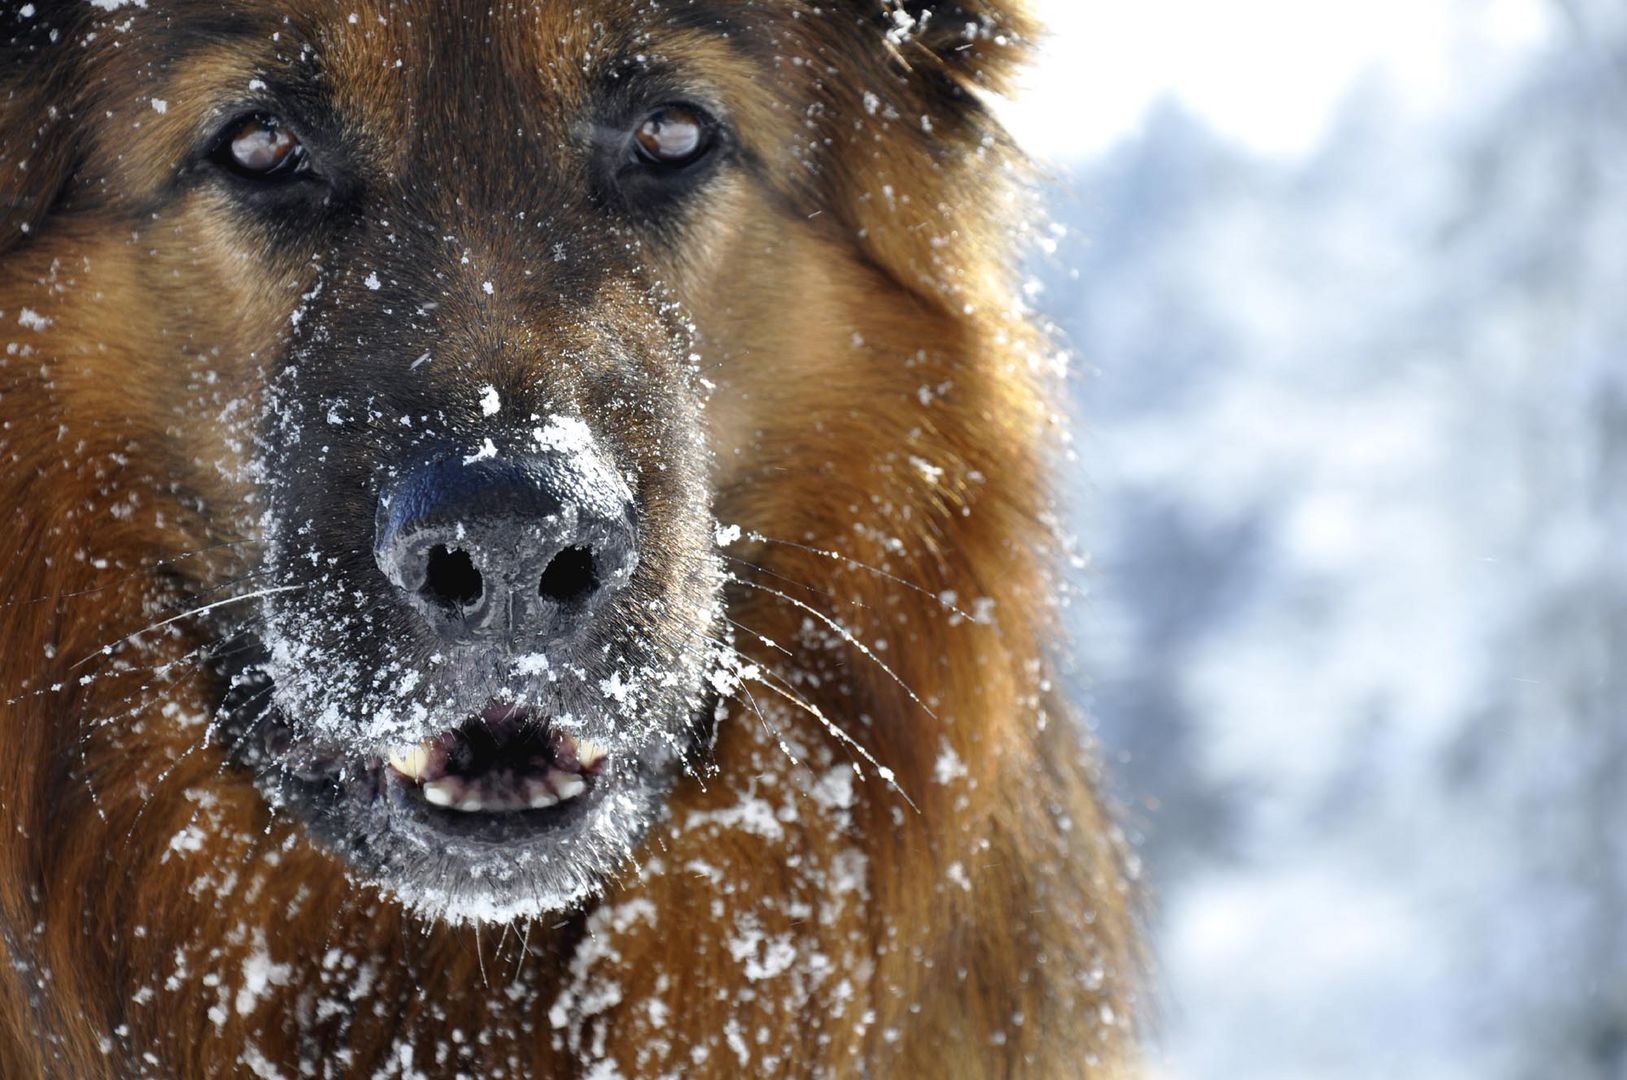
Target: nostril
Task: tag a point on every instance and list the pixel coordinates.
(522, 553)
(450, 579)
(569, 576)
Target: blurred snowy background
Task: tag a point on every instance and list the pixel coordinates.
(1347, 284)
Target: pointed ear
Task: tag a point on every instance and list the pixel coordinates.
(919, 169)
(38, 142)
(980, 43)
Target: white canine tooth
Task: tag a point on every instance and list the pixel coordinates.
(538, 795)
(566, 785)
(441, 792)
(590, 753)
(410, 761)
(470, 804)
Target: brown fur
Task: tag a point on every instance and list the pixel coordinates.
(781, 923)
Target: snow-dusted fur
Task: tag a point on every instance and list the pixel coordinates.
(885, 858)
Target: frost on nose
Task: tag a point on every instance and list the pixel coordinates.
(521, 550)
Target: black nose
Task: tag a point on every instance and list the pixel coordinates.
(521, 550)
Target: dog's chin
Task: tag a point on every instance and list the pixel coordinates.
(498, 818)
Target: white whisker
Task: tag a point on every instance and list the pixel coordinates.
(886, 774)
(846, 635)
(858, 564)
(107, 650)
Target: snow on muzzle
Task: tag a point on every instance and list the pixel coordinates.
(507, 760)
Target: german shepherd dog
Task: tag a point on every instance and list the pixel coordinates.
(528, 550)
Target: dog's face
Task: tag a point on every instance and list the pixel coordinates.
(457, 324)
(428, 278)
(477, 461)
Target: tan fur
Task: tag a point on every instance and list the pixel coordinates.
(789, 919)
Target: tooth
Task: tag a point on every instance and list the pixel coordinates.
(410, 761)
(538, 796)
(590, 754)
(442, 792)
(566, 785)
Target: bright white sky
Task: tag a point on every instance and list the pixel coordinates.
(1268, 73)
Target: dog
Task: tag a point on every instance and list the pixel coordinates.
(529, 550)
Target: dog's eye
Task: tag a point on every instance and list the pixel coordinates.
(262, 148)
(674, 136)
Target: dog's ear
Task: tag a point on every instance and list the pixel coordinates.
(919, 168)
(38, 145)
(978, 42)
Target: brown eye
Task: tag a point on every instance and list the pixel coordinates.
(673, 135)
(260, 147)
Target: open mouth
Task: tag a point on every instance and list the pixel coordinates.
(506, 760)
(510, 811)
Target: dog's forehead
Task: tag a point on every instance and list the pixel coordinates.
(394, 62)
(400, 68)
